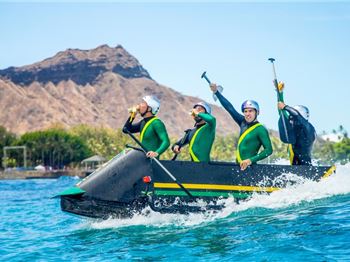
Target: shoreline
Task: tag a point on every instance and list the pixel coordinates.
(32, 174)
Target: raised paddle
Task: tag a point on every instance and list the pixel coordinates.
(272, 60)
(158, 163)
(220, 88)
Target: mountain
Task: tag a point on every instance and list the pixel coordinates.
(93, 87)
(81, 66)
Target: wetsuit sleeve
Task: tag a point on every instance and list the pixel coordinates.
(180, 143)
(183, 141)
(208, 118)
(266, 143)
(280, 98)
(160, 129)
(311, 133)
(293, 112)
(310, 130)
(229, 108)
(133, 128)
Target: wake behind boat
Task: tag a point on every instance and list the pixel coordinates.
(130, 182)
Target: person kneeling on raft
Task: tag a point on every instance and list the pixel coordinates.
(253, 135)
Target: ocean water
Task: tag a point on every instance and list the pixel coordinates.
(306, 222)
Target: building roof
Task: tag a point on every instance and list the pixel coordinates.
(95, 158)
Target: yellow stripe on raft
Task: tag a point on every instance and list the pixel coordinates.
(217, 187)
(329, 172)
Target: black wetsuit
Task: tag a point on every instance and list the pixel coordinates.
(305, 136)
(187, 137)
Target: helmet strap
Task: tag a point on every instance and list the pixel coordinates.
(147, 110)
(197, 119)
(256, 114)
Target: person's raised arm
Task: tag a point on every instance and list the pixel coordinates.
(227, 105)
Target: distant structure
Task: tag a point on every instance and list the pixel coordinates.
(333, 137)
(93, 162)
(7, 148)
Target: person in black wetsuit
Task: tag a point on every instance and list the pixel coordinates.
(297, 118)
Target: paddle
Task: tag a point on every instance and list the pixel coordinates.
(220, 88)
(158, 163)
(285, 133)
(181, 143)
(134, 147)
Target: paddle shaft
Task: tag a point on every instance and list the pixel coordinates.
(175, 156)
(276, 86)
(219, 88)
(159, 164)
(204, 75)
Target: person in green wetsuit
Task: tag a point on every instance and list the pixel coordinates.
(153, 134)
(201, 137)
(253, 135)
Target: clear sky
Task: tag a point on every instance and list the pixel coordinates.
(176, 42)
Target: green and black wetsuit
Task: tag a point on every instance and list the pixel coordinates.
(303, 132)
(252, 135)
(153, 134)
(200, 139)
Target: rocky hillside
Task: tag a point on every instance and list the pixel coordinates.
(93, 87)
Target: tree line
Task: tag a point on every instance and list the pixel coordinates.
(59, 147)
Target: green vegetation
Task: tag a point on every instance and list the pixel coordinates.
(6, 139)
(52, 147)
(58, 147)
(102, 141)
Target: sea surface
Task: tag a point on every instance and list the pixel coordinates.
(305, 222)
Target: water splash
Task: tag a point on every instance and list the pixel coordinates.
(302, 191)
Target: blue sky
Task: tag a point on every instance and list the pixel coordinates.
(176, 42)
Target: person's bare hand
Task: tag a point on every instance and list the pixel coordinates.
(213, 87)
(281, 105)
(195, 111)
(176, 149)
(152, 154)
(245, 163)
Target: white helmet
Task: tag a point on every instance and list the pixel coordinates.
(303, 111)
(205, 105)
(153, 102)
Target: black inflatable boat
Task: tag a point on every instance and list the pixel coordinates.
(130, 182)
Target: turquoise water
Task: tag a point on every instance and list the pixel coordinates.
(310, 221)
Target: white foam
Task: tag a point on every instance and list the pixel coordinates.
(304, 190)
(154, 219)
